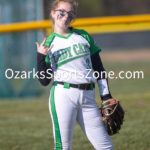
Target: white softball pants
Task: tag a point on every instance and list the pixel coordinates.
(70, 105)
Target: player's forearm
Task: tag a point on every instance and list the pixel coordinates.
(42, 68)
(102, 80)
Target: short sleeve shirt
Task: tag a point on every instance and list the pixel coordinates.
(70, 56)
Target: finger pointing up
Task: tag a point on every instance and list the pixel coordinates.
(43, 43)
(37, 44)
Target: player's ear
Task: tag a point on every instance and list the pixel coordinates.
(52, 13)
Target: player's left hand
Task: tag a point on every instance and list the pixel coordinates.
(112, 115)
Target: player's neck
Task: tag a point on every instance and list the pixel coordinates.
(63, 32)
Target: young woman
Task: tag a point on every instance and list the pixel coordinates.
(71, 56)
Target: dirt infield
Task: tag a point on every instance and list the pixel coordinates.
(126, 55)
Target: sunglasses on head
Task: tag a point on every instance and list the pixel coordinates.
(63, 12)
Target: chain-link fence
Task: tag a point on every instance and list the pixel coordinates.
(18, 50)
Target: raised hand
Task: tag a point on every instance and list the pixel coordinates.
(42, 48)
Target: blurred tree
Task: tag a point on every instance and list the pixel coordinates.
(126, 7)
(111, 7)
(90, 8)
(47, 7)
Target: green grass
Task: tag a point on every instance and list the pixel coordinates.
(25, 124)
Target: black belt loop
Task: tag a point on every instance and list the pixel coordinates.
(84, 86)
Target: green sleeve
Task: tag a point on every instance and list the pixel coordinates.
(93, 48)
(47, 59)
(48, 44)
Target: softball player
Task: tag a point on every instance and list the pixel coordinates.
(71, 56)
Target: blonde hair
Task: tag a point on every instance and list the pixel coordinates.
(74, 4)
(55, 4)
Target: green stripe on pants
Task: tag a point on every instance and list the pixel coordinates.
(58, 144)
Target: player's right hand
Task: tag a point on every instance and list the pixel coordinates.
(42, 48)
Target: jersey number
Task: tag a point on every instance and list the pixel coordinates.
(88, 63)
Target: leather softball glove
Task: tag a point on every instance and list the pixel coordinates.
(112, 115)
